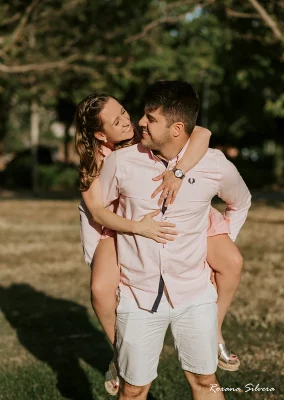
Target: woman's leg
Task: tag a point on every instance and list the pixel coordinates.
(225, 259)
(104, 282)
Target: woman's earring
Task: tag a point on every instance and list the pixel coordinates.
(105, 140)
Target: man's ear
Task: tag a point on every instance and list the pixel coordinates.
(178, 128)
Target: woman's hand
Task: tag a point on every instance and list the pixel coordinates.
(156, 230)
(169, 187)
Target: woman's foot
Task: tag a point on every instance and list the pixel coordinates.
(227, 360)
(221, 340)
(112, 380)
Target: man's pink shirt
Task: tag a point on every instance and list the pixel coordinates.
(127, 175)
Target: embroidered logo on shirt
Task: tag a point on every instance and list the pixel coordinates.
(191, 181)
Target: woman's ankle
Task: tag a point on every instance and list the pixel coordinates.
(220, 337)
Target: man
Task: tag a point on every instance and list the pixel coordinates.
(169, 284)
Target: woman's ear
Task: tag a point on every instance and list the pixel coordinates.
(100, 136)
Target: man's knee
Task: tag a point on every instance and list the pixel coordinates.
(201, 381)
(206, 381)
(133, 392)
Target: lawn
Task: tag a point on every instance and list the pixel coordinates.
(52, 347)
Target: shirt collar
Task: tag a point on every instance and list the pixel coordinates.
(104, 151)
(172, 160)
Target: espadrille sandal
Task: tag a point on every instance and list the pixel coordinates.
(112, 380)
(226, 360)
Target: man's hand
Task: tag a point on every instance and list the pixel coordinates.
(169, 187)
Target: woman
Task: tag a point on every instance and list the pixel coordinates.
(103, 126)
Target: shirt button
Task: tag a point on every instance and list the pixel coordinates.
(164, 272)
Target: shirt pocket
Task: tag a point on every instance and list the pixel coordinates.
(192, 203)
(137, 197)
(138, 183)
(197, 187)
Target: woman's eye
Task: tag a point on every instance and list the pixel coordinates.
(117, 122)
(123, 112)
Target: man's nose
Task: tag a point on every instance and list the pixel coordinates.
(142, 121)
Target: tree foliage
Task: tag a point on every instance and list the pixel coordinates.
(232, 51)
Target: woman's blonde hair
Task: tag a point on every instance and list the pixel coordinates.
(88, 121)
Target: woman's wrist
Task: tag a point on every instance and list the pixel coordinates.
(135, 227)
(185, 168)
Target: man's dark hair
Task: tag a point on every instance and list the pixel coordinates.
(177, 101)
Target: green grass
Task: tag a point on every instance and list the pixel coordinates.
(51, 345)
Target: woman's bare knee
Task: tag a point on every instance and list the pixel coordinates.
(224, 256)
(236, 262)
(99, 290)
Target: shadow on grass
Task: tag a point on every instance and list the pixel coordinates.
(59, 333)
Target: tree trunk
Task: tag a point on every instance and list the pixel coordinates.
(35, 120)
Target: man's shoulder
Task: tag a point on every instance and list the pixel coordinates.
(215, 156)
(211, 160)
(214, 153)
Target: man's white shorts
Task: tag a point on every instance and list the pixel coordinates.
(140, 336)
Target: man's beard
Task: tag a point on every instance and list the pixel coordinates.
(148, 144)
(155, 145)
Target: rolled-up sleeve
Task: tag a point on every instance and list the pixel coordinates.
(109, 180)
(234, 191)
